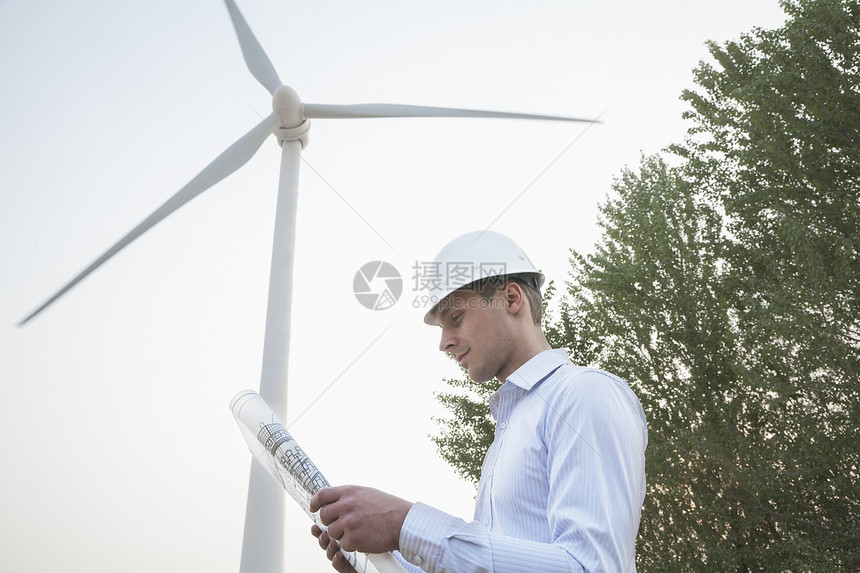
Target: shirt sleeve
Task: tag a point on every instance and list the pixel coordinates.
(596, 437)
(438, 542)
(410, 568)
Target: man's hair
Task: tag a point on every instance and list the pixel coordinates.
(489, 286)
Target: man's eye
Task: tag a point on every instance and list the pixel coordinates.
(456, 318)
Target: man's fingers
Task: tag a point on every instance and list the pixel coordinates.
(325, 496)
(332, 550)
(340, 564)
(322, 536)
(328, 513)
(335, 532)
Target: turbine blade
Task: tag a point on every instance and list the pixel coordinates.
(364, 110)
(255, 57)
(229, 161)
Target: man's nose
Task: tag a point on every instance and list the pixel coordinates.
(447, 341)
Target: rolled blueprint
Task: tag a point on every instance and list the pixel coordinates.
(277, 451)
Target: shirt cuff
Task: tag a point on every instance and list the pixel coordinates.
(424, 535)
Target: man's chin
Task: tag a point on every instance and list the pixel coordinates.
(479, 377)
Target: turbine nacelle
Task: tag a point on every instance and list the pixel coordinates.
(294, 126)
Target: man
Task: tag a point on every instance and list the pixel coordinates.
(562, 484)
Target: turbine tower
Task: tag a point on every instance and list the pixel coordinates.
(263, 541)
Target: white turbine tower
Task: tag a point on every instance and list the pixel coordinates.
(262, 547)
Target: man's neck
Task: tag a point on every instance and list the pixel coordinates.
(531, 347)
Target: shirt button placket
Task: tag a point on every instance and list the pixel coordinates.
(490, 474)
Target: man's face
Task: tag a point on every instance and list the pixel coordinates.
(475, 332)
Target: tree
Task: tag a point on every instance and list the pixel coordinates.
(776, 140)
(776, 128)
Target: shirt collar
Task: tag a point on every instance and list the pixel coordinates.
(538, 367)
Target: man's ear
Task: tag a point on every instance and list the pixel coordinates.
(514, 297)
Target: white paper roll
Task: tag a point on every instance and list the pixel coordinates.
(278, 452)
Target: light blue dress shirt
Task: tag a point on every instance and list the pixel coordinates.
(561, 487)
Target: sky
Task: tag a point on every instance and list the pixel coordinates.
(117, 448)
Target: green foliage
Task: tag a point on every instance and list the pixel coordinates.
(467, 435)
(726, 290)
(776, 128)
(782, 155)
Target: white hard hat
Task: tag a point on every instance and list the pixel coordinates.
(472, 257)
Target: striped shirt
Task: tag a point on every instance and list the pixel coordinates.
(561, 486)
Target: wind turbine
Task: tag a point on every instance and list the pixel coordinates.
(262, 547)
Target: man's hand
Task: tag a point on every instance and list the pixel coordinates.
(361, 518)
(338, 561)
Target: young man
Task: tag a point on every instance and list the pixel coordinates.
(561, 486)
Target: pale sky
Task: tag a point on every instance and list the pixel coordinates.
(117, 448)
